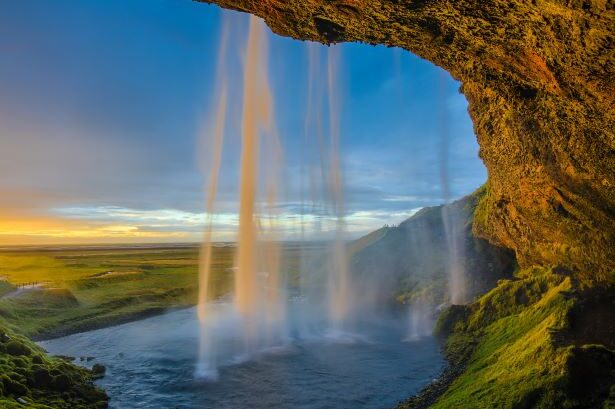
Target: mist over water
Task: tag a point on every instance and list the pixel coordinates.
(150, 364)
(326, 298)
(260, 296)
(420, 320)
(453, 234)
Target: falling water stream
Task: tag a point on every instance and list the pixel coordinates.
(451, 219)
(270, 344)
(259, 297)
(206, 353)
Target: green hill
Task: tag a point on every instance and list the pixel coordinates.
(414, 258)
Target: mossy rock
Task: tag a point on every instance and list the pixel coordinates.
(516, 347)
(40, 377)
(46, 382)
(17, 348)
(14, 387)
(61, 382)
(99, 370)
(20, 362)
(452, 319)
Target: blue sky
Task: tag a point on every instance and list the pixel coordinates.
(102, 102)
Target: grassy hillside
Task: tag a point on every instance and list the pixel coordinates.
(536, 341)
(83, 289)
(414, 257)
(77, 289)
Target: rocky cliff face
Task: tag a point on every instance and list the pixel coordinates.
(538, 76)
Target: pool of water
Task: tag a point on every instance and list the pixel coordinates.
(151, 364)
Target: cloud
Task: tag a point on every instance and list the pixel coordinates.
(100, 143)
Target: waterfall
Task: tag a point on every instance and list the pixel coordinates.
(207, 365)
(258, 299)
(454, 235)
(258, 318)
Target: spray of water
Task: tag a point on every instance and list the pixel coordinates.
(258, 310)
(420, 321)
(326, 187)
(453, 233)
(207, 344)
(258, 319)
(339, 285)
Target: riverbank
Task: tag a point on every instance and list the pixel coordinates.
(93, 325)
(80, 289)
(31, 378)
(432, 392)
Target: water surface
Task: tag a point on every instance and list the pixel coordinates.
(151, 364)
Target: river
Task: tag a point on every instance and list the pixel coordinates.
(151, 364)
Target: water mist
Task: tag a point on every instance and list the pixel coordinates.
(257, 316)
(326, 190)
(206, 363)
(454, 237)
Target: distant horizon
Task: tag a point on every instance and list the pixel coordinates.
(160, 245)
(101, 152)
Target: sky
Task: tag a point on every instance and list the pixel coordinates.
(105, 106)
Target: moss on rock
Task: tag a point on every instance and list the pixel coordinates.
(27, 373)
(520, 349)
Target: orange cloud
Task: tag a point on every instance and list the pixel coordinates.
(18, 229)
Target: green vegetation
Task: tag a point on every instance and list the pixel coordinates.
(85, 289)
(521, 346)
(6, 288)
(81, 289)
(415, 253)
(39, 381)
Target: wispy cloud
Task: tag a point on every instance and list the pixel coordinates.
(98, 143)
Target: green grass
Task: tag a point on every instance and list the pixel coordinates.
(511, 342)
(6, 287)
(85, 289)
(79, 292)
